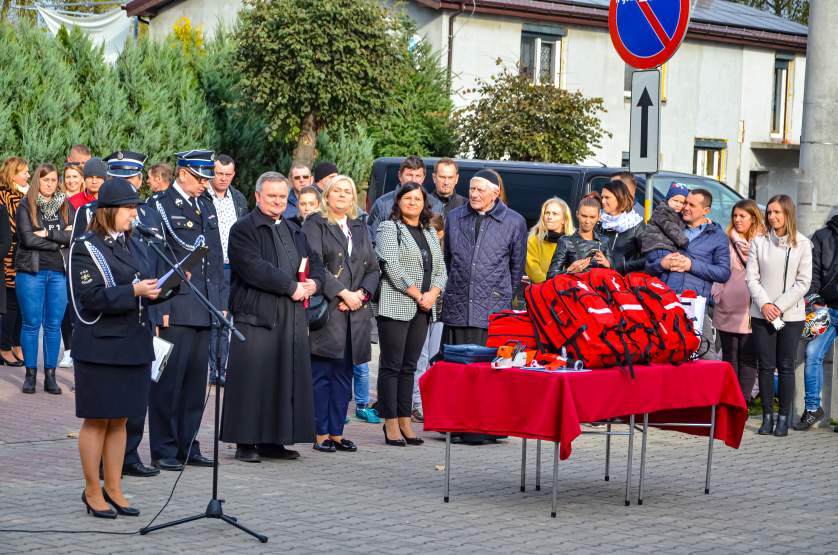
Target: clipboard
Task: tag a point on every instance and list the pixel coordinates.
(170, 279)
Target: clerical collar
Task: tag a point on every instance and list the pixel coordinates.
(278, 221)
(180, 191)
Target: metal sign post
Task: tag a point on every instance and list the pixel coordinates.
(644, 136)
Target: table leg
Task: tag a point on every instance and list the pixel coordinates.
(643, 457)
(524, 464)
(447, 466)
(607, 449)
(630, 453)
(538, 465)
(710, 448)
(555, 476)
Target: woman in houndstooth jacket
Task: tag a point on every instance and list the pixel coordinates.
(413, 278)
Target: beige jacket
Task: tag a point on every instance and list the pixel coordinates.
(764, 275)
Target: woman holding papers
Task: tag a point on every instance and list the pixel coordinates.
(111, 284)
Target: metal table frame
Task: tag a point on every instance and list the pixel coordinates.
(632, 427)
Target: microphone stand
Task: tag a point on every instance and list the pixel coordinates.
(213, 509)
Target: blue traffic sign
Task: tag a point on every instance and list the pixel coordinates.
(646, 33)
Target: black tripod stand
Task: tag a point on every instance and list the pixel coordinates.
(214, 509)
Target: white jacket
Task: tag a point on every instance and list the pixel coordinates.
(766, 282)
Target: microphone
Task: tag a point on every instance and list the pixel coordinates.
(146, 231)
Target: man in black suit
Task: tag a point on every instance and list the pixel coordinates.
(177, 399)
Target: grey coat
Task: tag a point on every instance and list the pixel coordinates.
(360, 271)
(403, 267)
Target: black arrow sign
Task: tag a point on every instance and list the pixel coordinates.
(644, 103)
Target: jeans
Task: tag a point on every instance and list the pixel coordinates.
(429, 351)
(43, 301)
(813, 371)
(361, 376)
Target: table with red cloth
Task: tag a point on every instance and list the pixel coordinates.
(552, 406)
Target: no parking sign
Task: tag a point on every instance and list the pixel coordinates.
(646, 33)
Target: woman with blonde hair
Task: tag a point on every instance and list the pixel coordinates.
(343, 242)
(732, 299)
(72, 180)
(778, 274)
(554, 223)
(14, 184)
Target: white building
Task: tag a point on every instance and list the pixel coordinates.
(732, 96)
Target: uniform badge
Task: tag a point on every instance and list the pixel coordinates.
(178, 202)
(119, 156)
(85, 277)
(189, 224)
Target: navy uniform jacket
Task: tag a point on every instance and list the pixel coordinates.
(182, 225)
(123, 333)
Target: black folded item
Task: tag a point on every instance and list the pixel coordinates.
(467, 354)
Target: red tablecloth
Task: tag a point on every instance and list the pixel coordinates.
(538, 405)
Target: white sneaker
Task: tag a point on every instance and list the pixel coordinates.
(67, 361)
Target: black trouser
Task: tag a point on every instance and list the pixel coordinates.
(401, 344)
(10, 336)
(67, 330)
(176, 402)
(776, 349)
(133, 437)
(738, 350)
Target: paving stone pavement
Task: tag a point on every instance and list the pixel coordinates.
(772, 495)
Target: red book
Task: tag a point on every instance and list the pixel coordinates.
(302, 275)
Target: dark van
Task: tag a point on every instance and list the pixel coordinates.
(529, 184)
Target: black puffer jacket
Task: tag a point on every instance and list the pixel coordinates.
(665, 231)
(625, 248)
(825, 263)
(571, 248)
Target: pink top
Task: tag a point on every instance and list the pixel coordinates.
(732, 299)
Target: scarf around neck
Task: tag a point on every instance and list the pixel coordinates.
(50, 207)
(621, 222)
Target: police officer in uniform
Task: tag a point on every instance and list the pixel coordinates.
(129, 165)
(177, 399)
(111, 285)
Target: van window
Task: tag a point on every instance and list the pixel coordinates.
(527, 191)
(600, 180)
(723, 198)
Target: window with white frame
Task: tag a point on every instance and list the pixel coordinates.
(541, 53)
(710, 158)
(779, 101)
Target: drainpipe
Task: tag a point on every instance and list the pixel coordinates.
(451, 20)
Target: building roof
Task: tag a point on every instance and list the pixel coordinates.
(148, 8)
(713, 20)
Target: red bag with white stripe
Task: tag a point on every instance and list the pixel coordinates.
(677, 340)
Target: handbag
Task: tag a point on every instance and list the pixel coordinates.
(317, 312)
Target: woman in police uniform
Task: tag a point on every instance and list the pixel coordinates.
(111, 284)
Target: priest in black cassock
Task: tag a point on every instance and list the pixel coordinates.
(268, 400)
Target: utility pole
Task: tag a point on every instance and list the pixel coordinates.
(819, 138)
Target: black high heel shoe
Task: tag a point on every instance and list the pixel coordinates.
(412, 440)
(393, 442)
(124, 511)
(98, 514)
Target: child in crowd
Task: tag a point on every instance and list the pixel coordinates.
(666, 228)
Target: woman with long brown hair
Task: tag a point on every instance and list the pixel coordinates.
(44, 224)
(779, 273)
(621, 227)
(14, 183)
(732, 298)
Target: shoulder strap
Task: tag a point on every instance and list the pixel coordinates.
(736, 250)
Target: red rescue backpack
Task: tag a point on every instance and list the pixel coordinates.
(676, 338)
(512, 326)
(636, 321)
(568, 313)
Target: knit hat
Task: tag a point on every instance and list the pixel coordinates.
(489, 176)
(95, 167)
(324, 169)
(677, 189)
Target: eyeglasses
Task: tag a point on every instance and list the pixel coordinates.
(298, 177)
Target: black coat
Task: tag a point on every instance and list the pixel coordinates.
(571, 248)
(625, 248)
(665, 231)
(269, 396)
(29, 245)
(123, 333)
(360, 271)
(825, 263)
(5, 245)
(451, 202)
(183, 225)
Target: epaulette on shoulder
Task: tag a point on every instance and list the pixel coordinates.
(84, 236)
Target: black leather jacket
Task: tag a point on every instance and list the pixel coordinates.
(626, 250)
(571, 248)
(29, 245)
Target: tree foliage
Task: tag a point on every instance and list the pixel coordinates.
(513, 118)
(795, 10)
(314, 64)
(351, 150)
